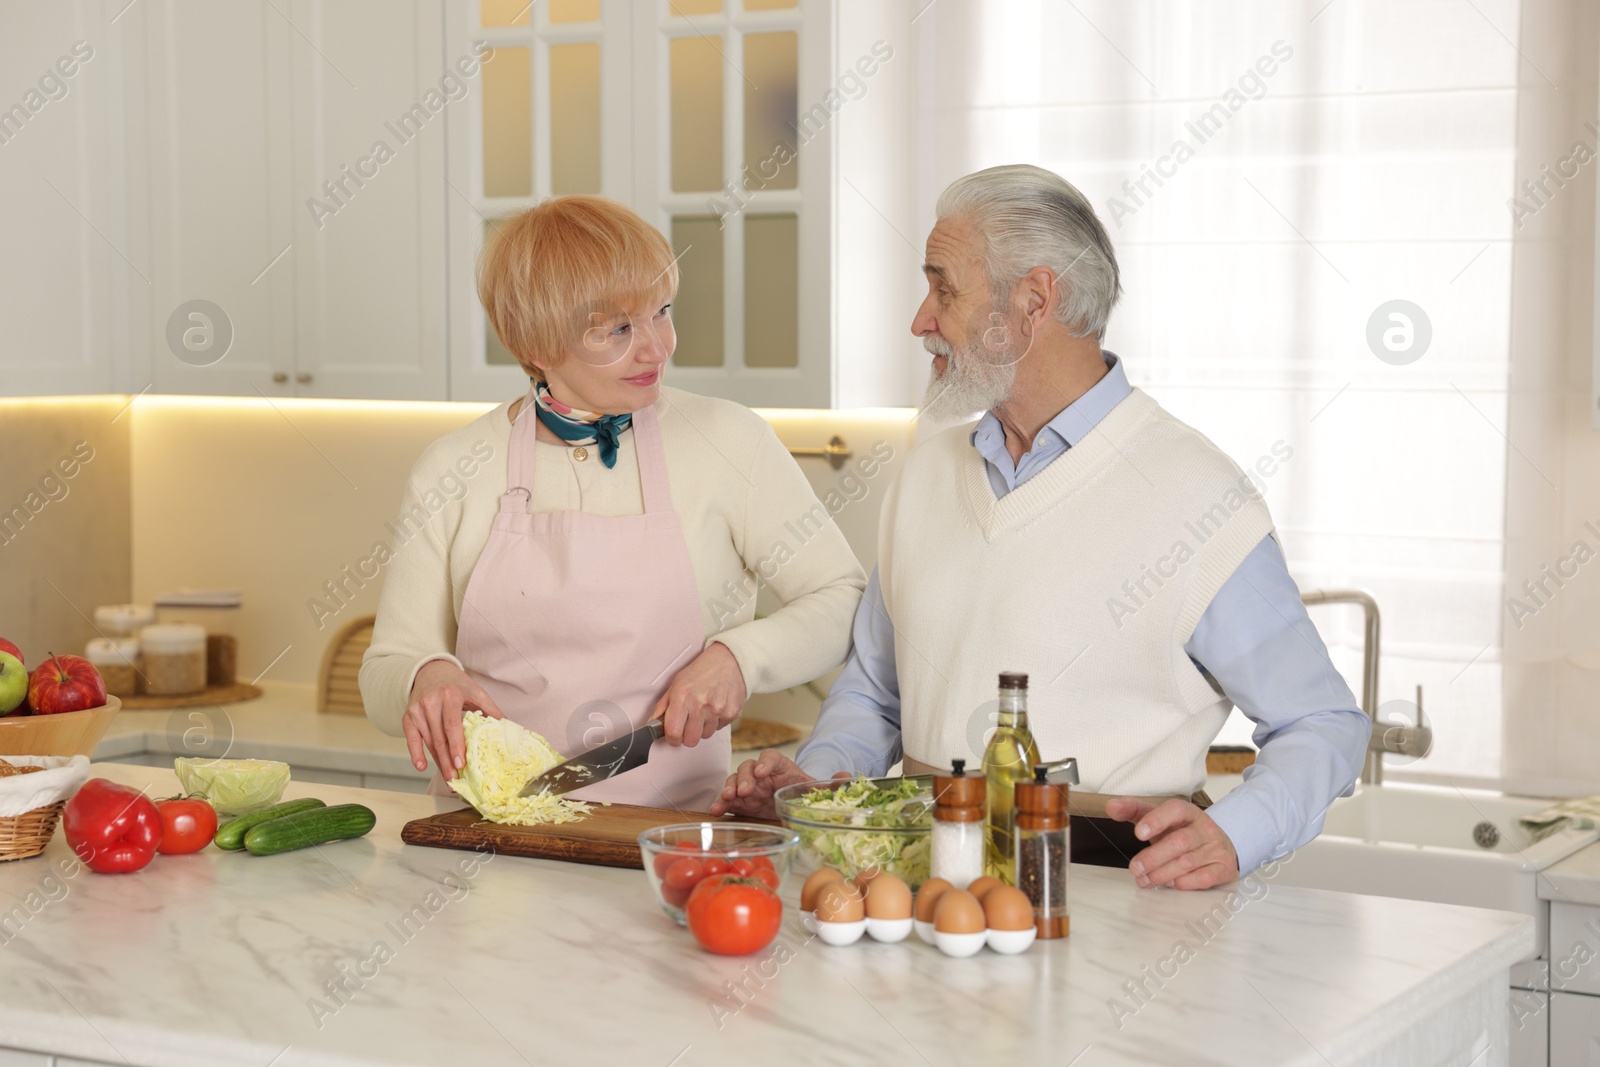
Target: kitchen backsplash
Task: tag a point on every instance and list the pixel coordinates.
(283, 501)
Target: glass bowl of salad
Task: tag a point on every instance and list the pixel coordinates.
(856, 824)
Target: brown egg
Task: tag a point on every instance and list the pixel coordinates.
(888, 898)
(819, 878)
(840, 902)
(980, 886)
(1007, 908)
(865, 877)
(928, 895)
(958, 912)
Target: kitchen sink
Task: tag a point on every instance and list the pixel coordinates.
(1454, 846)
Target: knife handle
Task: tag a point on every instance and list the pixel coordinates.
(657, 728)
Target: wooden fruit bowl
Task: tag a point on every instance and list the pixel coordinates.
(71, 733)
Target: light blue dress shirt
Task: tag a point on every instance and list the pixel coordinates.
(1254, 639)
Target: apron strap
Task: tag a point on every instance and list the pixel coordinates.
(652, 461)
(519, 464)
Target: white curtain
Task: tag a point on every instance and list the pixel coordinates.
(1317, 162)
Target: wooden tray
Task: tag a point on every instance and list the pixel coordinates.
(237, 693)
(606, 837)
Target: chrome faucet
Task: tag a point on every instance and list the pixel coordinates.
(1405, 740)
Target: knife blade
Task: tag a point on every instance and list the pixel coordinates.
(596, 765)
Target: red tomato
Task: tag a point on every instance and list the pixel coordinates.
(734, 916)
(763, 861)
(742, 867)
(187, 825)
(768, 875)
(714, 865)
(683, 874)
(664, 860)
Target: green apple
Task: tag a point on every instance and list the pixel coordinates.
(13, 683)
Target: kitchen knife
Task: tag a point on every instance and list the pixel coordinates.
(596, 765)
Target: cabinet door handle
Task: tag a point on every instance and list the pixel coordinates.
(303, 379)
(279, 377)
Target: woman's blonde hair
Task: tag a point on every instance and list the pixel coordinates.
(548, 274)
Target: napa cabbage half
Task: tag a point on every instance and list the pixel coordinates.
(501, 757)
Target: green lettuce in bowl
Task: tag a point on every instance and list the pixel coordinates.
(856, 824)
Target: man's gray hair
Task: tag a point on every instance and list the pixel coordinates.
(1029, 217)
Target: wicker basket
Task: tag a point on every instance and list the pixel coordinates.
(33, 792)
(26, 835)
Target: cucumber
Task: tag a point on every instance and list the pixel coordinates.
(305, 828)
(230, 835)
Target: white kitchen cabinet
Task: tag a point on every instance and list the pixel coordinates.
(321, 269)
(1530, 1028)
(213, 138)
(322, 776)
(1574, 948)
(1574, 1030)
(367, 198)
(395, 783)
(65, 256)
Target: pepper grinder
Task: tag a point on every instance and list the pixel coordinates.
(1043, 850)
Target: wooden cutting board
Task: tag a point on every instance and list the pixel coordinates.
(607, 836)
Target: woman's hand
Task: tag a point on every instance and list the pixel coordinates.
(706, 695)
(440, 695)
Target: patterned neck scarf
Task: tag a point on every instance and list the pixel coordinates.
(580, 427)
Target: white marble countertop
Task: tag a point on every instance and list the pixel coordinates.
(1575, 880)
(220, 958)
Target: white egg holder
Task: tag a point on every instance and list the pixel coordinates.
(959, 946)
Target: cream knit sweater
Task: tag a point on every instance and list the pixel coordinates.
(748, 515)
(1091, 576)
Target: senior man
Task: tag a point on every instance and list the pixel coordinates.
(1081, 533)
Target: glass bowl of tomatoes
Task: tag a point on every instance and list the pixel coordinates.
(679, 857)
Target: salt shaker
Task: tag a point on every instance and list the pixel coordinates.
(958, 826)
(1043, 844)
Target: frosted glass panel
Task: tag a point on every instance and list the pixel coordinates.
(494, 353)
(505, 12)
(574, 118)
(772, 291)
(771, 72)
(694, 7)
(574, 10)
(697, 309)
(696, 115)
(508, 124)
(769, 5)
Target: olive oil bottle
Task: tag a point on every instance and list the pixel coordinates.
(1009, 759)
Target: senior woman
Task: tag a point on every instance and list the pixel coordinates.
(598, 571)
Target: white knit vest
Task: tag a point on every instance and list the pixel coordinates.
(1091, 576)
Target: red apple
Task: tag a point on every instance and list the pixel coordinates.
(7, 646)
(65, 683)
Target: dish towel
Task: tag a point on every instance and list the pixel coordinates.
(1579, 813)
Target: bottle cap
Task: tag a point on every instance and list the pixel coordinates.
(1013, 679)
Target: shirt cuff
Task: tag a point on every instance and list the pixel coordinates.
(1254, 824)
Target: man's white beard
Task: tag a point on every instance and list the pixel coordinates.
(976, 380)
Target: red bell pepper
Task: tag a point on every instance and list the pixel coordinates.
(112, 828)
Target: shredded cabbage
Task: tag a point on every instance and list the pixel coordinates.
(501, 757)
(863, 806)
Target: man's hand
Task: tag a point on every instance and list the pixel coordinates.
(705, 696)
(750, 788)
(1187, 849)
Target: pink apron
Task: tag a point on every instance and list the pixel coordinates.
(576, 624)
